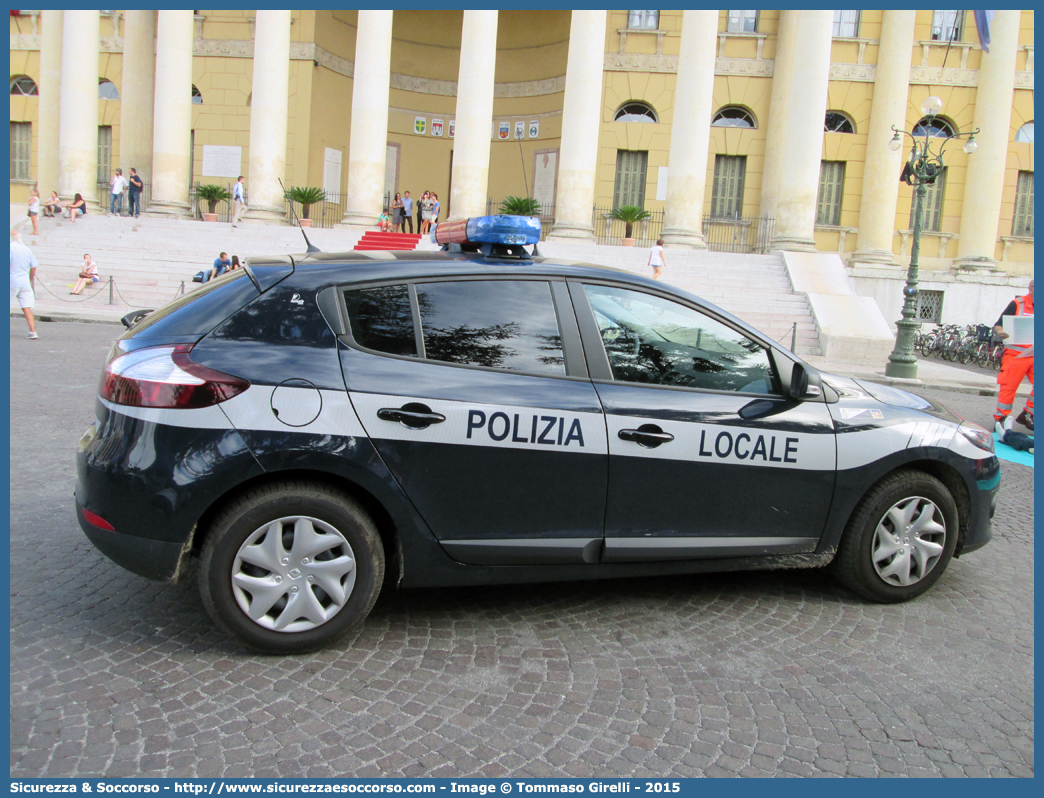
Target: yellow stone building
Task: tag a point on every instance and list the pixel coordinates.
(697, 116)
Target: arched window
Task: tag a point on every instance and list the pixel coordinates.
(635, 112)
(838, 122)
(734, 116)
(197, 96)
(936, 126)
(1025, 132)
(23, 86)
(107, 89)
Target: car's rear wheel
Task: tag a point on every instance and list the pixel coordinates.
(291, 567)
(900, 538)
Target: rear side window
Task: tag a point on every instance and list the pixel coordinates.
(504, 324)
(501, 324)
(382, 319)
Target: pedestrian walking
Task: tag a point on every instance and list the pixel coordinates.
(656, 259)
(134, 193)
(239, 205)
(407, 210)
(118, 183)
(1016, 365)
(34, 210)
(23, 280)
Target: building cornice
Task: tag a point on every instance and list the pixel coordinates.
(613, 62)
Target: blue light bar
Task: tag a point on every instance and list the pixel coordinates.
(503, 230)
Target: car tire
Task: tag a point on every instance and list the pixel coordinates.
(876, 563)
(251, 571)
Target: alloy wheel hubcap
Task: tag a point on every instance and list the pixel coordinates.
(909, 541)
(293, 574)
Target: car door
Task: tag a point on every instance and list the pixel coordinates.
(475, 394)
(707, 457)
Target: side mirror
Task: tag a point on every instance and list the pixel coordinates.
(798, 382)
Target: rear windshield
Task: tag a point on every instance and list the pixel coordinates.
(200, 310)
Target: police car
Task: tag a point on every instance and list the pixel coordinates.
(310, 428)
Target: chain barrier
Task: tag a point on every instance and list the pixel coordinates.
(793, 337)
(73, 301)
(111, 285)
(112, 282)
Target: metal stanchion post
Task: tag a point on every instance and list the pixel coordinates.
(111, 302)
(181, 291)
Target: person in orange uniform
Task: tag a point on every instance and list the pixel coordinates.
(1017, 364)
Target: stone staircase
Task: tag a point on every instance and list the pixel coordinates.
(377, 240)
(151, 261)
(755, 288)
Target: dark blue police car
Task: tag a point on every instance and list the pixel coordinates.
(482, 415)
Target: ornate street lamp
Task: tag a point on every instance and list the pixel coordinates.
(923, 167)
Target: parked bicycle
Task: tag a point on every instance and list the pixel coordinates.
(974, 343)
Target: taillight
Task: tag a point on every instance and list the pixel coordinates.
(165, 376)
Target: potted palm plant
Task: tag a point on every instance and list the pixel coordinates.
(212, 194)
(519, 206)
(629, 214)
(307, 196)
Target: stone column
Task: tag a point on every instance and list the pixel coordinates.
(478, 61)
(172, 117)
(984, 186)
(78, 128)
(368, 145)
(778, 100)
(581, 122)
(268, 110)
(48, 142)
(136, 108)
(882, 166)
(802, 151)
(690, 131)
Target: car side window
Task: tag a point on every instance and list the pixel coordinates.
(656, 341)
(504, 324)
(382, 319)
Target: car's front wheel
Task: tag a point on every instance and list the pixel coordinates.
(291, 567)
(900, 538)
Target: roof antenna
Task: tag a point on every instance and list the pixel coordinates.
(311, 247)
(525, 180)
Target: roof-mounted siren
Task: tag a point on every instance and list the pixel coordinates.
(493, 236)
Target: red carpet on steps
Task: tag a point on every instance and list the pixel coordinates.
(378, 240)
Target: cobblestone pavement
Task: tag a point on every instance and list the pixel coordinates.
(756, 674)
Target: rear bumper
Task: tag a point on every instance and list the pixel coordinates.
(153, 559)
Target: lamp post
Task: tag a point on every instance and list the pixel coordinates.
(923, 167)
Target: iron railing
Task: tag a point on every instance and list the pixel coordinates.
(105, 193)
(611, 231)
(326, 214)
(200, 206)
(546, 215)
(750, 235)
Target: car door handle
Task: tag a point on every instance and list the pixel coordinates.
(412, 415)
(648, 435)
